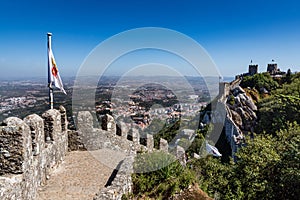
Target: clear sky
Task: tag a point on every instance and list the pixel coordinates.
(233, 31)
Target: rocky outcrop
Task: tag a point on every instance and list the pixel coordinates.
(235, 110)
(241, 109)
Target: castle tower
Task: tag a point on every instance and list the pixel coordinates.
(252, 69)
(272, 67)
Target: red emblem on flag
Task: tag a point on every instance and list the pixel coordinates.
(54, 68)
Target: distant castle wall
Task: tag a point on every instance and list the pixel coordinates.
(29, 151)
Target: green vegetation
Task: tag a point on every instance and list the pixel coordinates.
(268, 167)
(260, 81)
(280, 108)
(276, 111)
(168, 132)
(166, 176)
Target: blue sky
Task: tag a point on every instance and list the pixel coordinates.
(233, 32)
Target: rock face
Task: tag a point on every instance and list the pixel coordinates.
(241, 117)
(241, 109)
(235, 110)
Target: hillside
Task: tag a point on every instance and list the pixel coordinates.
(264, 116)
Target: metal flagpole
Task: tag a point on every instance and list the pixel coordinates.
(49, 72)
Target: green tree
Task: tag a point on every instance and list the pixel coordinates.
(275, 112)
(288, 168)
(259, 81)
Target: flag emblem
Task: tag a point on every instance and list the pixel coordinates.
(54, 77)
(54, 69)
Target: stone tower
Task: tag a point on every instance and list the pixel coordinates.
(272, 67)
(252, 69)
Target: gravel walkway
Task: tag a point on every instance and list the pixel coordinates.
(79, 177)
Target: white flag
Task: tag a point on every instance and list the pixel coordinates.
(54, 77)
(212, 150)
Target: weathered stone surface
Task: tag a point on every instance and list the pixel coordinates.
(15, 149)
(23, 169)
(188, 134)
(238, 90)
(134, 135)
(124, 129)
(64, 121)
(122, 183)
(36, 124)
(79, 177)
(75, 141)
(180, 155)
(85, 121)
(237, 118)
(196, 156)
(149, 141)
(52, 120)
(37, 166)
(163, 145)
(111, 124)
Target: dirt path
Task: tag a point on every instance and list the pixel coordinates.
(79, 177)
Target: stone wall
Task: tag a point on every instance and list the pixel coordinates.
(127, 140)
(30, 149)
(122, 183)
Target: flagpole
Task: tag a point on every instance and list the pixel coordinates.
(49, 71)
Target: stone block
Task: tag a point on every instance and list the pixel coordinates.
(180, 155)
(124, 129)
(36, 124)
(134, 136)
(111, 124)
(52, 124)
(149, 141)
(15, 149)
(163, 145)
(64, 121)
(85, 121)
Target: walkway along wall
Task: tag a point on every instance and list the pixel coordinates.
(128, 140)
(30, 149)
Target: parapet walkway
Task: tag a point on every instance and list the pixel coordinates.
(79, 177)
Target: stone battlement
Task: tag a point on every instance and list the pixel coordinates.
(30, 149)
(126, 139)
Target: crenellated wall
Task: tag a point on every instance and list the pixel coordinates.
(128, 140)
(30, 149)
